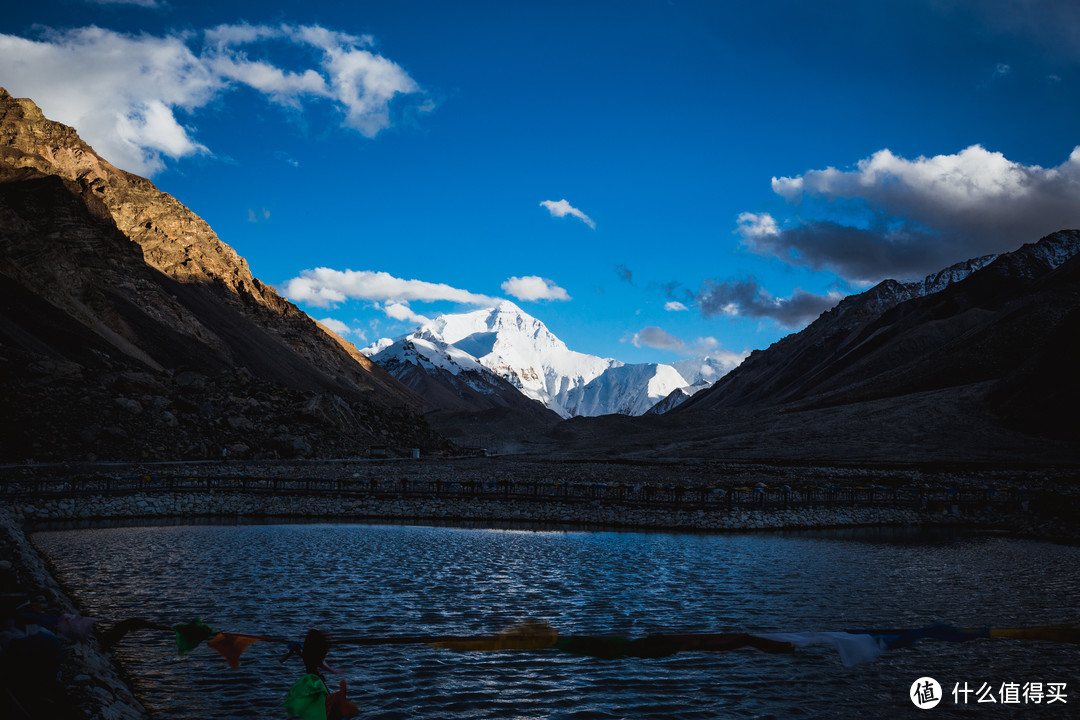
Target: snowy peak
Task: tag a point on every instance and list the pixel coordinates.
(1052, 251)
(506, 323)
(677, 397)
(428, 353)
(940, 280)
(629, 389)
(519, 349)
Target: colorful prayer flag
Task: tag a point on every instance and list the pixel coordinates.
(190, 635)
(307, 698)
(231, 646)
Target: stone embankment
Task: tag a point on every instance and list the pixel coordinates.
(191, 505)
(91, 685)
(681, 496)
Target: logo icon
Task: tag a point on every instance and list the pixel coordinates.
(925, 693)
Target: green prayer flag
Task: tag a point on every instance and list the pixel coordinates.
(307, 698)
(189, 635)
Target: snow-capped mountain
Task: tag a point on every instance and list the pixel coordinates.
(448, 378)
(676, 398)
(519, 349)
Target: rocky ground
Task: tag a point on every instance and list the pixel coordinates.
(55, 413)
(688, 472)
(89, 684)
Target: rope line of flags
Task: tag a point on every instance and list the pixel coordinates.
(310, 699)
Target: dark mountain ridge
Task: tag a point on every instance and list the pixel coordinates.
(129, 330)
(898, 339)
(977, 363)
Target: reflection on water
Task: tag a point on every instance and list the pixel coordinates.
(385, 579)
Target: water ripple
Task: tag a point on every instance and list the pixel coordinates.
(376, 580)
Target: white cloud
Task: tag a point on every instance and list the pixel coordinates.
(660, 339)
(533, 287)
(753, 226)
(674, 306)
(222, 37)
(365, 83)
(907, 218)
(401, 311)
(336, 325)
(325, 287)
(561, 208)
(281, 86)
(342, 329)
(126, 94)
(119, 91)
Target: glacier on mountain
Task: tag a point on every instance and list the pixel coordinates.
(517, 347)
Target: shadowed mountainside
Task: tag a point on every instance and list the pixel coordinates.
(130, 330)
(981, 368)
(1016, 313)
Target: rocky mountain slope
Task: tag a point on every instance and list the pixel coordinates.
(981, 369)
(130, 330)
(483, 354)
(980, 321)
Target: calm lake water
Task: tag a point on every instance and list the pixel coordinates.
(385, 579)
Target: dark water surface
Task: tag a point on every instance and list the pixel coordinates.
(386, 579)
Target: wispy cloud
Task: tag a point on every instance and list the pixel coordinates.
(533, 287)
(660, 339)
(561, 208)
(675, 306)
(135, 98)
(326, 287)
(900, 218)
(401, 311)
(342, 329)
(624, 273)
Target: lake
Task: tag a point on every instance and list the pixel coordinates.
(361, 580)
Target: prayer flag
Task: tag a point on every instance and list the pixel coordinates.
(854, 648)
(231, 646)
(658, 646)
(338, 706)
(529, 634)
(190, 635)
(307, 698)
(1055, 633)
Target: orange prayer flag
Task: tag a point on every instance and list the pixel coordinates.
(338, 706)
(231, 646)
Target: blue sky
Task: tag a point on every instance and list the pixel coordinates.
(651, 179)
